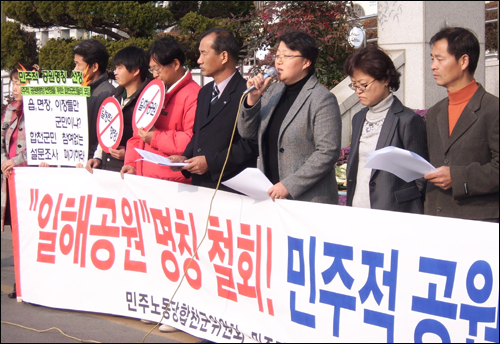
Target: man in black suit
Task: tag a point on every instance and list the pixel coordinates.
(216, 113)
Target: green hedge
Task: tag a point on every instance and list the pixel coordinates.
(17, 46)
(58, 53)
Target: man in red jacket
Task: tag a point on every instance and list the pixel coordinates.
(174, 127)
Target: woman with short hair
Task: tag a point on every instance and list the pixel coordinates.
(297, 124)
(384, 122)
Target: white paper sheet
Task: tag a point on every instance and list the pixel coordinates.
(401, 162)
(157, 159)
(251, 182)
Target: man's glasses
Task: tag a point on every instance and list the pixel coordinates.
(362, 88)
(156, 70)
(285, 57)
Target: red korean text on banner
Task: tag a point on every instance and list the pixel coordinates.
(149, 105)
(110, 124)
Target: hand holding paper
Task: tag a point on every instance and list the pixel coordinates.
(401, 162)
(157, 159)
(251, 182)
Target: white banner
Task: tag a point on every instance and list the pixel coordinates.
(56, 127)
(283, 271)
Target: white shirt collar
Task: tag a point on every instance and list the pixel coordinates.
(221, 86)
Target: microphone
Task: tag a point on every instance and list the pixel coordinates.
(270, 73)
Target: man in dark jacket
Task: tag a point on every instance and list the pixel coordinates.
(462, 133)
(91, 58)
(131, 73)
(215, 116)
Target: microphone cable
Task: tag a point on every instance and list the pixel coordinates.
(208, 217)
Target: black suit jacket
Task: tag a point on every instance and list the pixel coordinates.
(100, 89)
(213, 127)
(402, 128)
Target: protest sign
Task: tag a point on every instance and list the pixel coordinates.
(110, 124)
(284, 271)
(149, 105)
(55, 110)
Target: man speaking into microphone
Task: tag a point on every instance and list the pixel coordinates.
(297, 124)
(216, 112)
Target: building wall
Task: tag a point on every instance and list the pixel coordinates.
(405, 29)
(491, 76)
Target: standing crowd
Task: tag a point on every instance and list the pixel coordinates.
(291, 129)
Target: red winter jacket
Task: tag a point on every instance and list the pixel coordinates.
(174, 129)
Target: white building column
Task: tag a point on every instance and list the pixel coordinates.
(409, 26)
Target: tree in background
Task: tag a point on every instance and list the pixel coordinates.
(180, 8)
(325, 21)
(211, 9)
(491, 31)
(226, 9)
(58, 54)
(17, 46)
(131, 18)
(125, 23)
(139, 23)
(208, 14)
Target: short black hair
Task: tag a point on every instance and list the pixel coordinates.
(303, 43)
(92, 52)
(372, 60)
(460, 42)
(224, 41)
(165, 50)
(132, 57)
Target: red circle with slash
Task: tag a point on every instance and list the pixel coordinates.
(149, 105)
(110, 124)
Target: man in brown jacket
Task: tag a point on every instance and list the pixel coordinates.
(462, 133)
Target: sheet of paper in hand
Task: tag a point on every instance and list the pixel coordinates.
(251, 182)
(157, 159)
(401, 162)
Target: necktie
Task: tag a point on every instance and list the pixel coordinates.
(215, 95)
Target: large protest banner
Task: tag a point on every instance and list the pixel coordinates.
(283, 271)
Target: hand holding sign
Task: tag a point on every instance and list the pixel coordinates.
(146, 136)
(149, 105)
(110, 124)
(118, 153)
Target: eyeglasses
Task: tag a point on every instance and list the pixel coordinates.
(285, 57)
(362, 88)
(156, 70)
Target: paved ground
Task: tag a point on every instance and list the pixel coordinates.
(83, 326)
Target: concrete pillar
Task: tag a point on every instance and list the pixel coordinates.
(409, 26)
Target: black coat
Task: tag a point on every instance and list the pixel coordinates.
(213, 127)
(100, 89)
(404, 129)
